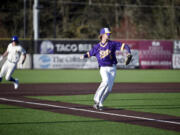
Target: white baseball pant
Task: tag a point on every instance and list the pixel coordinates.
(7, 70)
(108, 75)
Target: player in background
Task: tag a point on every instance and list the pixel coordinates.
(13, 53)
(105, 52)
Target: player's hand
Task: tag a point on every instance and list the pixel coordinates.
(21, 66)
(128, 59)
(82, 57)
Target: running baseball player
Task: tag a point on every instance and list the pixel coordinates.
(105, 52)
(13, 53)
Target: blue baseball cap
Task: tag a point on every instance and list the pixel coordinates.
(105, 31)
(15, 38)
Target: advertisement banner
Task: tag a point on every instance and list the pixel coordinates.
(73, 61)
(64, 46)
(155, 54)
(176, 48)
(176, 61)
(59, 61)
(72, 46)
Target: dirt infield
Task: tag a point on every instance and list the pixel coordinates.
(84, 88)
(12, 97)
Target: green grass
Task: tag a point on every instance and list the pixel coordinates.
(65, 76)
(23, 121)
(162, 103)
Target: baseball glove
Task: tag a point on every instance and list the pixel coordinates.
(128, 59)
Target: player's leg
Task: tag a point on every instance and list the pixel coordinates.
(9, 73)
(103, 86)
(111, 76)
(12, 67)
(3, 70)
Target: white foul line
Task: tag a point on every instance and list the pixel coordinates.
(86, 110)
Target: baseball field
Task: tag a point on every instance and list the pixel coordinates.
(59, 102)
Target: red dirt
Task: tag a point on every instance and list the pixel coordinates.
(84, 88)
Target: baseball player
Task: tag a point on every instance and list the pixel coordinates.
(105, 52)
(13, 53)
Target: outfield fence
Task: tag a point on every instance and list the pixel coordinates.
(62, 54)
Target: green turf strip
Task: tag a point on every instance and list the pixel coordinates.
(67, 76)
(162, 103)
(23, 121)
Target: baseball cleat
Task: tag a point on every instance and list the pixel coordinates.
(100, 107)
(16, 84)
(97, 107)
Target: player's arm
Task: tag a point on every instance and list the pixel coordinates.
(129, 55)
(125, 46)
(4, 55)
(121, 47)
(92, 52)
(24, 56)
(86, 55)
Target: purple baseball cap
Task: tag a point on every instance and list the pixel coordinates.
(105, 31)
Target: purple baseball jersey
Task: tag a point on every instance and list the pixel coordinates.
(106, 54)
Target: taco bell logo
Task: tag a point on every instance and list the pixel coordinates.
(46, 47)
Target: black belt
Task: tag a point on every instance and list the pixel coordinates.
(111, 65)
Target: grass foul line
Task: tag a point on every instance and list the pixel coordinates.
(86, 110)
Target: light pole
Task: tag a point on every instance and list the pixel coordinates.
(24, 18)
(36, 19)
(36, 24)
